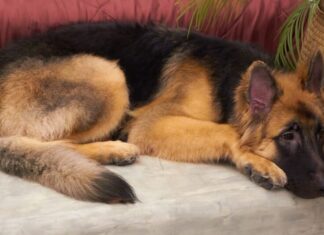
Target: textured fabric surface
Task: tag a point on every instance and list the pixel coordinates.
(313, 40)
(176, 198)
(259, 22)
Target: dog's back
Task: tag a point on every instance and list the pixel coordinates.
(142, 52)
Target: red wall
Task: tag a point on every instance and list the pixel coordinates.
(259, 21)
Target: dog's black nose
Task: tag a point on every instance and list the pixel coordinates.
(322, 192)
(321, 184)
(318, 177)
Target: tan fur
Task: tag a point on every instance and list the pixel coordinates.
(49, 109)
(187, 89)
(52, 164)
(254, 137)
(170, 127)
(19, 110)
(114, 90)
(107, 152)
(179, 123)
(21, 113)
(185, 139)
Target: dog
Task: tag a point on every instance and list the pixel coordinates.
(71, 94)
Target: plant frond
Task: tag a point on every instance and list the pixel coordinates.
(292, 34)
(204, 12)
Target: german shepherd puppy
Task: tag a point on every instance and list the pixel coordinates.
(197, 99)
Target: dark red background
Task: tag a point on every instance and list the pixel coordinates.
(259, 22)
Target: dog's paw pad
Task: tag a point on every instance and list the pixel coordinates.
(123, 161)
(263, 181)
(271, 177)
(118, 153)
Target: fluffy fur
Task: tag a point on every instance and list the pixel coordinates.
(190, 99)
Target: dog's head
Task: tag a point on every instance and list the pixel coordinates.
(280, 117)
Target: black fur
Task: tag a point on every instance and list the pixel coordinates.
(305, 112)
(109, 187)
(302, 168)
(142, 50)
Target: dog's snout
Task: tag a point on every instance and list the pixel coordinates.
(320, 177)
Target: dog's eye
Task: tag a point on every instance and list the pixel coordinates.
(288, 135)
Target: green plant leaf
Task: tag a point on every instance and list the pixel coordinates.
(292, 34)
(205, 12)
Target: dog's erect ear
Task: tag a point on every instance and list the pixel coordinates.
(262, 89)
(315, 80)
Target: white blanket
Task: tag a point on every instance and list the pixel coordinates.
(176, 198)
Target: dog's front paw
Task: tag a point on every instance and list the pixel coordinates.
(266, 174)
(121, 153)
(122, 161)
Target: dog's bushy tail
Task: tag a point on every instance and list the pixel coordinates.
(62, 169)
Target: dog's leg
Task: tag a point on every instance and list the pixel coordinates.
(185, 139)
(108, 152)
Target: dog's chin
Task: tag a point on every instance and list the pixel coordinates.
(305, 193)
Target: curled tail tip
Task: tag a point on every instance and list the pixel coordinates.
(111, 188)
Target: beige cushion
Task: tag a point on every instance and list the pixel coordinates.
(176, 198)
